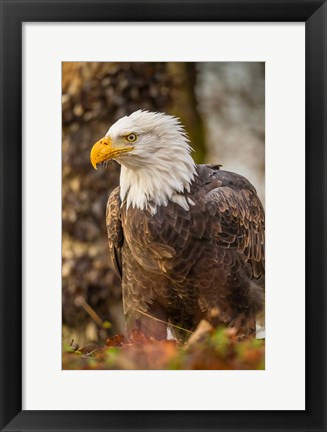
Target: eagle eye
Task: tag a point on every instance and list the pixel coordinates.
(131, 137)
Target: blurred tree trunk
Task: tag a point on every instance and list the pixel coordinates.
(185, 106)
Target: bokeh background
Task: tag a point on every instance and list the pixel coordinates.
(222, 106)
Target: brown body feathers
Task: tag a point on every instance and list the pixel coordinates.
(179, 266)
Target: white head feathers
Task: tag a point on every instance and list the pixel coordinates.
(160, 166)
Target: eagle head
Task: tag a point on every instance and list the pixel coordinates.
(154, 152)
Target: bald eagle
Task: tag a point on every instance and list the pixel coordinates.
(187, 240)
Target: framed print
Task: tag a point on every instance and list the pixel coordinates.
(180, 330)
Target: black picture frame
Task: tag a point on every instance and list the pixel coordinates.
(13, 14)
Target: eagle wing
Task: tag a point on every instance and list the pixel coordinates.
(238, 218)
(115, 229)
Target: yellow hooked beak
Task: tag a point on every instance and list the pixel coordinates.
(104, 150)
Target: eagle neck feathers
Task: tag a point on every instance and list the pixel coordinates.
(161, 180)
